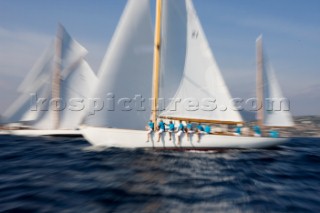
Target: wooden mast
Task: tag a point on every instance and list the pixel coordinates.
(57, 78)
(259, 82)
(156, 61)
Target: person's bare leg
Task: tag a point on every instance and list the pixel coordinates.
(148, 136)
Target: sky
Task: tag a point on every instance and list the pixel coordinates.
(290, 28)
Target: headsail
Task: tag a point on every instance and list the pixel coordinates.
(126, 71)
(21, 110)
(202, 81)
(36, 83)
(276, 108)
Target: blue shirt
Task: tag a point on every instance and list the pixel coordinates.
(189, 126)
(151, 125)
(162, 125)
(200, 128)
(257, 130)
(238, 130)
(181, 127)
(171, 127)
(274, 134)
(207, 129)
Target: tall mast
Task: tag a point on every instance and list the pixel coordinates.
(57, 77)
(156, 61)
(259, 82)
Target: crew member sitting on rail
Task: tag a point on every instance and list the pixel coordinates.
(150, 129)
(207, 129)
(171, 129)
(273, 133)
(200, 130)
(189, 130)
(180, 131)
(257, 131)
(238, 130)
(161, 129)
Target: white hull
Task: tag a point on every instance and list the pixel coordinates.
(4, 132)
(39, 133)
(137, 139)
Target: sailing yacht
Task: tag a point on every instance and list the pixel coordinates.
(60, 76)
(183, 67)
(268, 90)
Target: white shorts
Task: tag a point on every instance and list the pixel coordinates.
(257, 135)
(161, 131)
(190, 131)
(179, 133)
(150, 130)
(171, 131)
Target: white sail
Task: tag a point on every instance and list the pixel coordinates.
(23, 109)
(126, 71)
(77, 82)
(202, 81)
(276, 108)
(41, 70)
(35, 84)
(173, 47)
(71, 50)
(18, 112)
(76, 88)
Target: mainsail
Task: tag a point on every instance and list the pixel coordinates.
(202, 82)
(275, 108)
(77, 85)
(173, 47)
(39, 72)
(126, 71)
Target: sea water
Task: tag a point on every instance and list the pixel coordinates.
(69, 175)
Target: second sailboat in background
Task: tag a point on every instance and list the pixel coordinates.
(44, 107)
